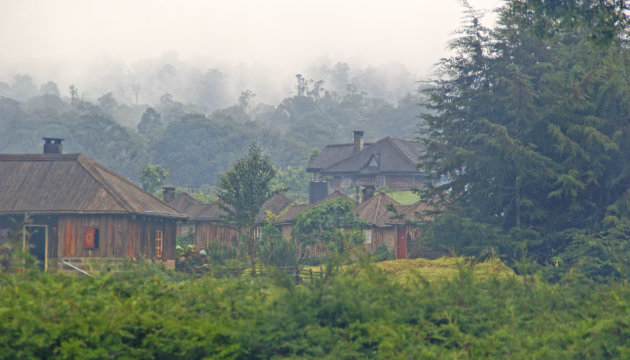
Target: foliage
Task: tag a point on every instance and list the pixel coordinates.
(293, 182)
(528, 124)
(153, 177)
(276, 251)
(332, 224)
(383, 253)
(242, 190)
(362, 312)
(453, 233)
(604, 256)
(185, 240)
(150, 122)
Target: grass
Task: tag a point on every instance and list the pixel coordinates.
(407, 197)
(447, 268)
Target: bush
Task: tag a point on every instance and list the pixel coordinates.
(146, 312)
(383, 254)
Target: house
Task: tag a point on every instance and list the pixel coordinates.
(382, 225)
(80, 210)
(207, 221)
(183, 203)
(286, 219)
(389, 163)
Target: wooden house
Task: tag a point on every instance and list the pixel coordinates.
(79, 209)
(204, 220)
(389, 163)
(207, 221)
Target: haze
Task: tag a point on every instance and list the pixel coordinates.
(70, 41)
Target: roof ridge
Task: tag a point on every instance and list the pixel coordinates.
(89, 166)
(355, 154)
(398, 150)
(39, 157)
(378, 206)
(129, 182)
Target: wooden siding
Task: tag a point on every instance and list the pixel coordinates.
(380, 237)
(119, 236)
(397, 182)
(207, 232)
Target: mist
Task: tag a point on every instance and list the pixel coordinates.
(161, 46)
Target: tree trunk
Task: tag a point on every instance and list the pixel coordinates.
(250, 248)
(517, 202)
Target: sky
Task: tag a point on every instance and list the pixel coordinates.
(46, 38)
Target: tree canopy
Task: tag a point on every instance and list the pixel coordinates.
(531, 118)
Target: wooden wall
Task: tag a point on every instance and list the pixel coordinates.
(119, 236)
(380, 237)
(6, 224)
(397, 182)
(206, 232)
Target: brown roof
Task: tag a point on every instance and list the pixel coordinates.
(205, 212)
(374, 211)
(71, 183)
(335, 195)
(289, 215)
(331, 155)
(183, 201)
(275, 204)
(388, 155)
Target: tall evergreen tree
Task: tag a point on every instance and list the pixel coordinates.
(242, 190)
(529, 122)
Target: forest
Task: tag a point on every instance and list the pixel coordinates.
(193, 138)
(528, 119)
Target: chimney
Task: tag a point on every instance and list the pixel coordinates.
(53, 145)
(317, 190)
(368, 192)
(168, 193)
(358, 141)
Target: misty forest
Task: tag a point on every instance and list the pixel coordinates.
(522, 250)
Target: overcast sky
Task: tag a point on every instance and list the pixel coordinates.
(288, 33)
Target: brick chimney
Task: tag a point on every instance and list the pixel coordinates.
(168, 193)
(52, 145)
(358, 141)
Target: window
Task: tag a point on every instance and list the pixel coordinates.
(372, 162)
(158, 243)
(368, 235)
(90, 238)
(258, 233)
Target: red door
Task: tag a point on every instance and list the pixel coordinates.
(402, 243)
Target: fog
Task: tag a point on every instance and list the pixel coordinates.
(108, 46)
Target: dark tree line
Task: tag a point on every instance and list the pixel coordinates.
(532, 122)
(192, 144)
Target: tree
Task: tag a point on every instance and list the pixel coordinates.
(242, 190)
(49, 88)
(332, 224)
(527, 123)
(150, 122)
(153, 177)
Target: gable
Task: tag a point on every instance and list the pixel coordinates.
(386, 156)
